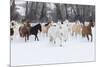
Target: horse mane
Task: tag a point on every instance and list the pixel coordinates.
(47, 23)
(36, 27)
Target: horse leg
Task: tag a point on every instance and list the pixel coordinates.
(83, 35)
(37, 38)
(11, 37)
(72, 33)
(54, 42)
(25, 38)
(91, 37)
(19, 34)
(87, 37)
(60, 41)
(46, 33)
(75, 34)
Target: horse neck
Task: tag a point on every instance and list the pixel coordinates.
(48, 27)
(39, 27)
(89, 26)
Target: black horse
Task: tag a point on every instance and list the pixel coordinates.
(34, 31)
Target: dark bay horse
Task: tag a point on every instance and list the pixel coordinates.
(87, 30)
(24, 31)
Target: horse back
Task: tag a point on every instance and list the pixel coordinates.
(34, 29)
(86, 30)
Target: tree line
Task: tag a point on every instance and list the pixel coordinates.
(39, 11)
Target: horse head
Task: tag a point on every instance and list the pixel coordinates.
(91, 23)
(39, 27)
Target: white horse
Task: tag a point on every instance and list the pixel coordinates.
(58, 31)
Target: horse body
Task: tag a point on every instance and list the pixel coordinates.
(59, 31)
(76, 28)
(12, 27)
(11, 31)
(87, 30)
(24, 32)
(53, 34)
(46, 27)
(34, 31)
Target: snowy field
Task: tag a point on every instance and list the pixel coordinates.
(76, 49)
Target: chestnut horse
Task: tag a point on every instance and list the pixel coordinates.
(87, 30)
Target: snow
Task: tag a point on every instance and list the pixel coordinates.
(76, 49)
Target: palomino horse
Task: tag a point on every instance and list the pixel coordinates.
(46, 27)
(76, 28)
(86, 30)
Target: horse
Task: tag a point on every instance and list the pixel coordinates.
(86, 30)
(12, 30)
(76, 28)
(34, 31)
(45, 27)
(24, 31)
(58, 31)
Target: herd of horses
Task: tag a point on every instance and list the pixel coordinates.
(75, 28)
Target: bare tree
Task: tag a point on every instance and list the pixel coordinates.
(12, 10)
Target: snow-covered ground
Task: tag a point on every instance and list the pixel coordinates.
(77, 49)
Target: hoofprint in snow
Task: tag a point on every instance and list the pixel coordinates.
(76, 49)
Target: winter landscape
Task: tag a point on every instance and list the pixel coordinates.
(66, 33)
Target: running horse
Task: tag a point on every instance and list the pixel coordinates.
(35, 30)
(46, 27)
(87, 30)
(24, 30)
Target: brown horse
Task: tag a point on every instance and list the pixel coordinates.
(24, 31)
(86, 30)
